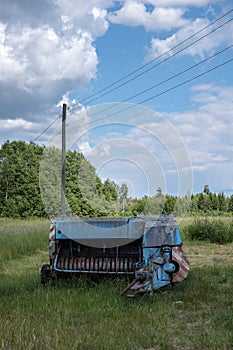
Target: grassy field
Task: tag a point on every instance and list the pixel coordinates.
(81, 314)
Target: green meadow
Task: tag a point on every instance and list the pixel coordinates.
(83, 314)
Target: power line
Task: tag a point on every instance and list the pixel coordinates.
(159, 63)
(150, 68)
(155, 59)
(178, 74)
(44, 131)
(164, 91)
(187, 81)
(164, 81)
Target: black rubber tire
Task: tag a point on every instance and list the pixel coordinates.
(45, 274)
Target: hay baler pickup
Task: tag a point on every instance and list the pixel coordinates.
(147, 247)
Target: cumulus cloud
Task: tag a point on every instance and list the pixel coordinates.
(39, 54)
(45, 56)
(200, 48)
(19, 127)
(46, 50)
(17, 123)
(135, 13)
(207, 130)
(183, 3)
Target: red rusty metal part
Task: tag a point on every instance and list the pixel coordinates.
(179, 256)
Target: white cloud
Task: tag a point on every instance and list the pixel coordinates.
(19, 127)
(10, 124)
(39, 55)
(46, 56)
(84, 147)
(207, 45)
(142, 141)
(47, 52)
(215, 100)
(50, 50)
(134, 13)
(86, 14)
(183, 3)
(207, 133)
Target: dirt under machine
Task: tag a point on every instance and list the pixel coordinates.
(147, 248)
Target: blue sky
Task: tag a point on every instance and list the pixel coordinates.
(180, 140)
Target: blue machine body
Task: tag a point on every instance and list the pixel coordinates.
(148, 247)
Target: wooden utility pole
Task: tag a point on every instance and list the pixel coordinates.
(63, 171)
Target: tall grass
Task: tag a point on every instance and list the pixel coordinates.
(78, 314)
(21, 237)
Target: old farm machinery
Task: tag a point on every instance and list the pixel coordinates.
(147, 248)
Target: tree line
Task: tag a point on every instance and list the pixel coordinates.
(30, 185)
(196, 204)
(30, 182)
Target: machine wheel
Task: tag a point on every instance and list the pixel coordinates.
(45, 274)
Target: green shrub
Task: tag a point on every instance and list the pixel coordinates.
(213, 231)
